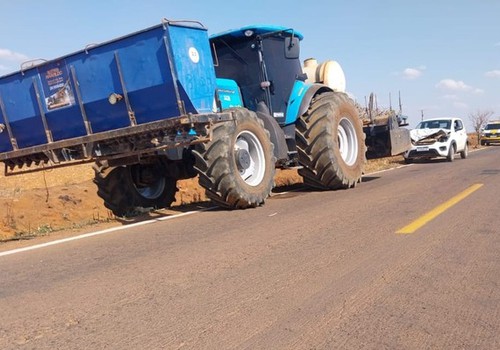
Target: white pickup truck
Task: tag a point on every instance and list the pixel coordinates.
(440, 137)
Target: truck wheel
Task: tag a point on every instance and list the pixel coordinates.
(331, 143)
(125, 191)
(465, 152)
(237, 167)
(451, 153)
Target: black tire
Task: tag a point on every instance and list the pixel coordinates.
(125, 197)
(451, 153)
(331, 142)
(237, 167)
(408, 160)
(465, 153)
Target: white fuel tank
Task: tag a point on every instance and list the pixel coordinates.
(329, 73)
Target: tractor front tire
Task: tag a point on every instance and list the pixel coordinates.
(236, 168)
(331, 143)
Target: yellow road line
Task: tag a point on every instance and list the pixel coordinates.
(424, 219)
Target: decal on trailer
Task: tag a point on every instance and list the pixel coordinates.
(56, 85)
(194, 55)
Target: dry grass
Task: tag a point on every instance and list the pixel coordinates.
(39, 203)
(65, 198)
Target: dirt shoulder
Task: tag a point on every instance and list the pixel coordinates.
(65, 199)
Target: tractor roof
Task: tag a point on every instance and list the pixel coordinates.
(257, 29)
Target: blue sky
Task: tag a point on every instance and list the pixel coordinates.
(443, 55)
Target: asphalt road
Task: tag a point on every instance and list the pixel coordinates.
(309, 270)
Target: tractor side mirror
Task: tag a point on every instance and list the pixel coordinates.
(292, 47)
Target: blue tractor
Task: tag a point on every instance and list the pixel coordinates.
(281, 121)
(169, 103)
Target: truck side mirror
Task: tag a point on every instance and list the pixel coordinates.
(292, 47)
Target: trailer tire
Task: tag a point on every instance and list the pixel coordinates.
(124, 197)
(331, 142)
(236, 168)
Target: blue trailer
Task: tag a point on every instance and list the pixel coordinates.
(169, 103)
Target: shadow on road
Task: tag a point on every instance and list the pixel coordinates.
(370, 178)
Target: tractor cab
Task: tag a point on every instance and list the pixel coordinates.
(264, 63)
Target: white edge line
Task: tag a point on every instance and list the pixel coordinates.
(113, 229)
(102, 232)
(389, 169)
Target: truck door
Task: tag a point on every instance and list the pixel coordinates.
(461, 134)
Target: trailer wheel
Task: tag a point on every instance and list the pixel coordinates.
(331, 143)
(237, 167)
(125, 192)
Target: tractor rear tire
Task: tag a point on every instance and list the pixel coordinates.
(124, 197)
(331, 143)
(236, 168)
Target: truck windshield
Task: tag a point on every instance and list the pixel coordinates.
(435, 124)
(495, 126)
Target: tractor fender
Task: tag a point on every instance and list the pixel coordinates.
(300, 99)
(275, 132)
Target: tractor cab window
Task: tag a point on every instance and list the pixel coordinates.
(281, 72)
(238, 60)
(261, 69)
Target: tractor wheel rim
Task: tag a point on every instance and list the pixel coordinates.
(154, 191)
(348, 141)
(253, 169)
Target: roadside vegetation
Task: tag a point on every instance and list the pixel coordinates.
(479, 119)
(65, 199)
